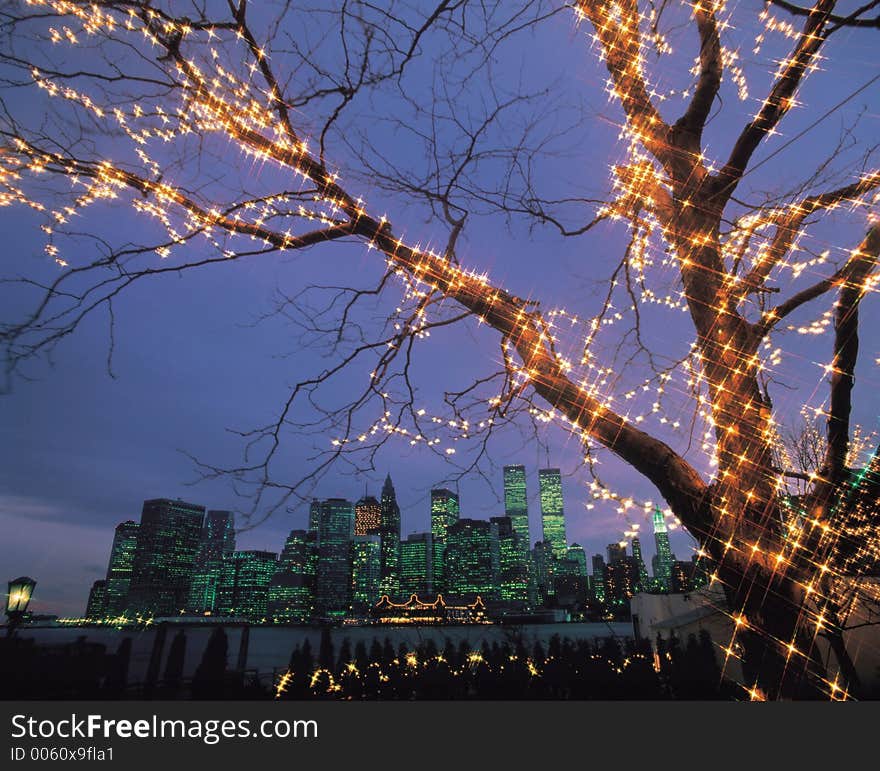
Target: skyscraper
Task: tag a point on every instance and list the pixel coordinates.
(621, 580)
(120, 565)
(315, 519)
(314, 539)
(681, 577)
(513, 573)
(367, 516)
(390, 535)
(217, 542)
(616, 552)
(291, 591)
(516, 507)
(97, 605)
(516, 503)
(543, 560)
(445, 511)
(598, 581)
(644, 581)
(243, 589)
(333, 583)
(552, 511)
(162, 569)
(664, 558)
(366, 563)
(577, 554)
(417, 561)
(472, 560)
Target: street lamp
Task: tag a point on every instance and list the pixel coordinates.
(17, 600)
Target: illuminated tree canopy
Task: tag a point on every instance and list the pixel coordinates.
(371, 136)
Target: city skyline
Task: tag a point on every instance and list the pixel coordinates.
(61, 593)
(174, 566)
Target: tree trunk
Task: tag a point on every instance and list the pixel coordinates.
(780, 659)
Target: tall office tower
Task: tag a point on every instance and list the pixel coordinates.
(119, 566)
(576, 553)
(389, 532)
(543, 560)
(621, 581)
(244, 584)
(553, 511)
(682, 576)
(312, 562)
(513, 572)
(598, 579)
(217, 542)
(291, 591)
(366, 564)
(445, 511)
(333, 580)
(315, 519)
(367, 516)
(417, 566)
(664, 558)
(616, 552)
(162, 570)
(97, 605)
(516, 503)
(472, 560)
(644, 581)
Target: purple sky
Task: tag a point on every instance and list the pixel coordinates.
(82, 450)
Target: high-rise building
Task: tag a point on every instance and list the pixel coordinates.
(471, 560)
(333, 581)
(366, 565)
(644, 581)
(367, 516)
(516, 503)
(598, 578)
(545, 569)
(97, 605)
(664, 558)
(314, 538)
(513, 573)
(216, 543)
(576, 553)
(244, 584)
(615, 552)
(162, 570)
(120, 565)
(389, 532)
(552, 511)
(445, 512)
(684, 576)
(621, 582)
(570, 586)
(417, 565)
(315, 519)
(291, 591)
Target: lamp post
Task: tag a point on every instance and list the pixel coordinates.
(17, 600)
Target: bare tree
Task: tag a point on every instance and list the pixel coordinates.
(141, 102)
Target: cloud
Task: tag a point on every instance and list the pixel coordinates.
(64, 556)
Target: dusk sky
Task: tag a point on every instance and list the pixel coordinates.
(194, 360)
